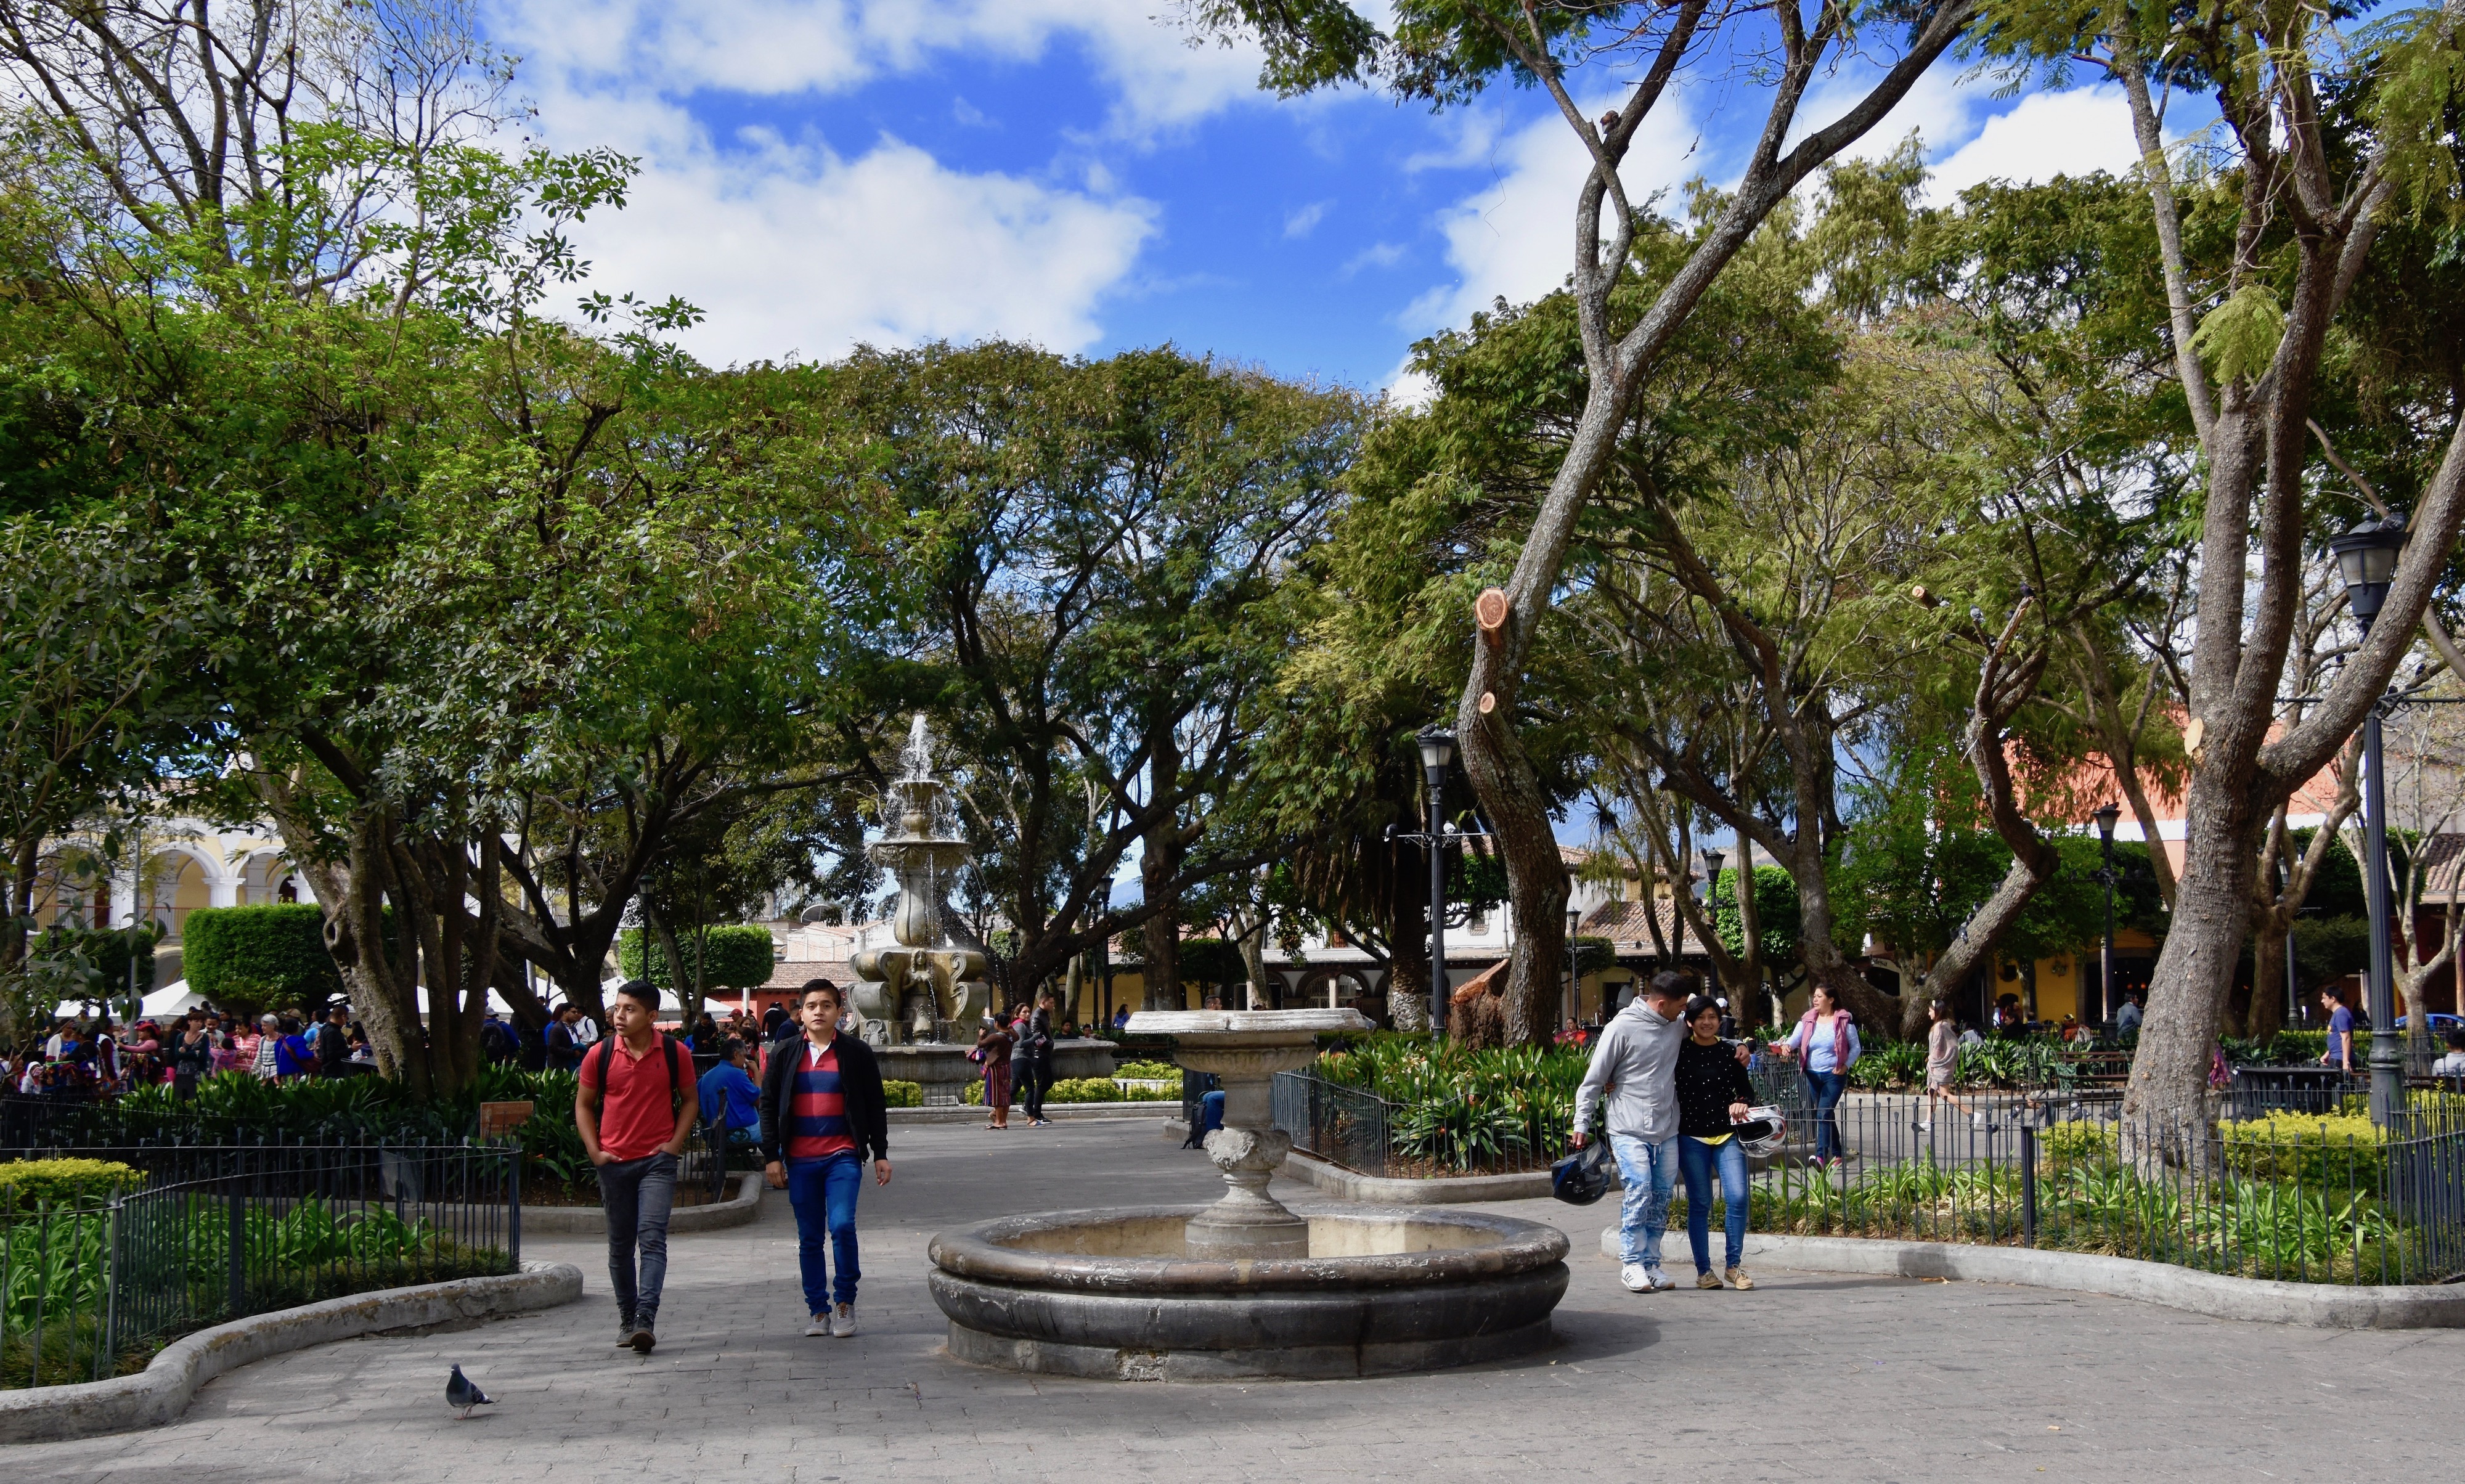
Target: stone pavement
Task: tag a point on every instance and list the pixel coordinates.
(1810, 1376)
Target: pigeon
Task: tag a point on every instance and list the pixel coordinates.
(460, 1392)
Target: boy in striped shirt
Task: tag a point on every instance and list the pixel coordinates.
(822, 1111)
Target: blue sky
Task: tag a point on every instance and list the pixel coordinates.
(818, 173)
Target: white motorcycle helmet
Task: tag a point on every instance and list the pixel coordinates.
(1763, 1131)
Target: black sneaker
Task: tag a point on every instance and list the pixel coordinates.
(624, 1332)
(643, 1340)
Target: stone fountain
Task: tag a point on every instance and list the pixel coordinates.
(908, 991)
(906, 994)
(1247, 1286)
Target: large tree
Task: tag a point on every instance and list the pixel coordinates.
(1444, 52)
(2327, 136)
(1093, 551)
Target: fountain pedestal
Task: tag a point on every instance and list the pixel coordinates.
(1244, 1050)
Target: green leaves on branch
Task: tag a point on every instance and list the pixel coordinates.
(2238, 338)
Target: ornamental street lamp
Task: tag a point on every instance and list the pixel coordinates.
(1437, 754)
(2105, 815)
(2366, 558)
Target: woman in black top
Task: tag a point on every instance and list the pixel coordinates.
(1712, 1096)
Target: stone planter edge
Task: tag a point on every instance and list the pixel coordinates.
(162, 1392)
(737, 1210)
(2215, 1295)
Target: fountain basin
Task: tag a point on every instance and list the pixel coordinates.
(1114, 1294)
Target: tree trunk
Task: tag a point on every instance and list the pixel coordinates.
(2195, 970)
(2269, 947)
(1878, 1013)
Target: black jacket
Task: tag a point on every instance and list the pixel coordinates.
(868, 1116)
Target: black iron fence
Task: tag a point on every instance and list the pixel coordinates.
(89, 1289)
(1341, 1125)
(2297, 1196)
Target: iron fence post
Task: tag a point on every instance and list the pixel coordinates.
(2028, 1182)
(514, 1207)
(107, 1349)
(238, 1251)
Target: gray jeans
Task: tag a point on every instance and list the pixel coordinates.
(636, 1194)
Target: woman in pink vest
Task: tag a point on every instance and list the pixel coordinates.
(1824, 1044)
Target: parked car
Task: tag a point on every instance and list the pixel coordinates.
(2440, 1025)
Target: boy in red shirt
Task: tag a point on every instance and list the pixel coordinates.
(636, 1106)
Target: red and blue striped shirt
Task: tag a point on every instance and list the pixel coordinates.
(817, 1125)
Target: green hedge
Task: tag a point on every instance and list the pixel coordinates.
(741, 956)
(902, 1095)
(100, 955)
(26, 1183)
(247, 959)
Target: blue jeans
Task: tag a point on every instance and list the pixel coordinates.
(636, 1195)
(824, 1193)
(1698, 1162)
(1824, 1090)
(1648, 1171)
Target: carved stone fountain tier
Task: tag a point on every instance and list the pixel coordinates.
(1247, 1286)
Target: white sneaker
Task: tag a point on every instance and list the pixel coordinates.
(817, 1326)
(1925, 1125)
(1636, 1277)
(843, 1321)
(1661, 1282)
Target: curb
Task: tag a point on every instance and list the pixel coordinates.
(737, 1210)
(1446, 1190)
(162, 1392)
(2215, 1295)
(970, 1112)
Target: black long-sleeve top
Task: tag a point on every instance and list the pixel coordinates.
(1709, 1079)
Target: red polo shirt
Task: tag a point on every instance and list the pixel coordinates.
(637, 1110)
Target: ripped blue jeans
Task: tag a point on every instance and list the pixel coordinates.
(1648, 1171)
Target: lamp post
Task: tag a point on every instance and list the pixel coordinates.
(1712, 860)
(2105, 815)
(2366, 560)
(1437, 754)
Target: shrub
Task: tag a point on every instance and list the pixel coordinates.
(974, 1092)
(245, 959)
(1149, 1070)
(1083, 1090)
(2315, 1151)
(741, 956)
(902, 1095)
(26, 1183)
(97, 958)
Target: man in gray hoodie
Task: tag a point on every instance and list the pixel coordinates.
(1635, 1066)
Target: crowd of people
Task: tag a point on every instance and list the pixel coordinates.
(88, 1056)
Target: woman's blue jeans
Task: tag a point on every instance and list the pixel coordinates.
(1824, 1090)
(823, 1193)
(1697, 1163)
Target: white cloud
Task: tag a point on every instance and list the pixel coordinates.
(1157, 78)
(2049, 134)
(1378, 255)
(1304, 221)
(1516, 238)
(798, 249)
(798, 245)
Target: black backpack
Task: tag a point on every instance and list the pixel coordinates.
(606, 1051)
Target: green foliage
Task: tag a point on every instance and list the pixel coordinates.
(2339, 1153)
(1777, 910)
(1149, 1069)
(247, 959)
(1212, 961)
(1462, 1109)
(2327, 949)
(1083, 1090)
(896, 1094)
(104, 954)
(2238, 338)
(741, 956)
(2284, 1049)
(28, 1184)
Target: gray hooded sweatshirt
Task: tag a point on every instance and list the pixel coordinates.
(1635, 1063)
